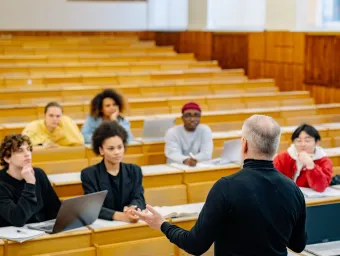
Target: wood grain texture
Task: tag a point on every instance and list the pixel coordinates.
(231, 50)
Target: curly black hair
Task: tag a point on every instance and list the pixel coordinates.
(105, 130)
(10, 144)
(97, 102)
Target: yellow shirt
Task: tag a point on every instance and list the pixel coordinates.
(66, 134)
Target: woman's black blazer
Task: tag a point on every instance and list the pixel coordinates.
(95, 178)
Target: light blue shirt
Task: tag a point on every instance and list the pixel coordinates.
(91, 124)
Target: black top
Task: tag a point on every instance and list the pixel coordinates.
(257, 211)
(95, 178)
(22, 203)
(116, 189)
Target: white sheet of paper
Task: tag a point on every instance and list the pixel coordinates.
(329, 192)
(19, 234)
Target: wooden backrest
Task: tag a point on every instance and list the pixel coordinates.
(166, 196)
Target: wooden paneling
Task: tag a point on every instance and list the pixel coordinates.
(318, 65)
(168, 38)
(143, 35)
(278, 55)
(231, 50)
(197, 42)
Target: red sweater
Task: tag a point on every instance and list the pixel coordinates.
(318, 178)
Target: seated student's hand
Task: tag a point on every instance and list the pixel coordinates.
(114, 116)
(132, 207)
(28, 174)
(190, 161)
(305, 158)
(128, 216)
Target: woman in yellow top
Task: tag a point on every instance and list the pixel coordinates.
(55, 130)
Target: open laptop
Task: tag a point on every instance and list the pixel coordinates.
(74, 213)
(231, 153)
(155, 129)
(323, 228)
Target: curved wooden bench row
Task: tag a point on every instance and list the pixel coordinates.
(161, 105)
(86, 58)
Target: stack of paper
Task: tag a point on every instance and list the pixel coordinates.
(329, 192)
(186, 210)
(19, 234)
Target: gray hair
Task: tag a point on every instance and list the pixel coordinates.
(263, 135)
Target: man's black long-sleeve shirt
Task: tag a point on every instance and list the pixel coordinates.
(257, 211)
(22, 203)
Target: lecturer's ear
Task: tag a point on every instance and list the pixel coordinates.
(244, 145)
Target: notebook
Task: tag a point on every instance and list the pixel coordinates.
(19, 234)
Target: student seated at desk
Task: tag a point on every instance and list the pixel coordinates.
(26, 195)
(107, 105)
(55, 130)
(305, 162)
(189, 143)
(123, 181)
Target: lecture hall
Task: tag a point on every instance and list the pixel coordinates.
(169, 127)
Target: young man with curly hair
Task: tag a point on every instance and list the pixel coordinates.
(26, 195)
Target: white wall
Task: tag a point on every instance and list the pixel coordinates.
(236, 14)
(281, 15)
(168, 15)
(72, 15)
(198, 14)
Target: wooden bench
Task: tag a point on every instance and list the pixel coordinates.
(63, 51)
(81, 68)
(142, 106)
(18, 59)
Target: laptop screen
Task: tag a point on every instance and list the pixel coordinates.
(323, 223)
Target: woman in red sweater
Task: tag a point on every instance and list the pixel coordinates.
(305, 162)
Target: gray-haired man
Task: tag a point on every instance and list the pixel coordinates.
(257, 211)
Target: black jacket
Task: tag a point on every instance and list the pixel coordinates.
(22, 203)
(257, 211)
(96, 178)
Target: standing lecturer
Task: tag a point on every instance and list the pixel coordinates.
(257, 211)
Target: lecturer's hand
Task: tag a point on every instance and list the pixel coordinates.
(154, 220)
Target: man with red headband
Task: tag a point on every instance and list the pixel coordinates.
(191, 142)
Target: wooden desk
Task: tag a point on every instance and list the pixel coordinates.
(65, 241)
(150, 246)
(2, 248)
(59, 153)
(110, 232)
(211, 173)
(161, 176)
(321, 201)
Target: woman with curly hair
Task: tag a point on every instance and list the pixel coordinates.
(26, 194)
(107, 105)
(122, 181)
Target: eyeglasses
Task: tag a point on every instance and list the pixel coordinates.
(189, 116)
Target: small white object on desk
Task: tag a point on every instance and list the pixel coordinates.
(311, 193)
(19, 234)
